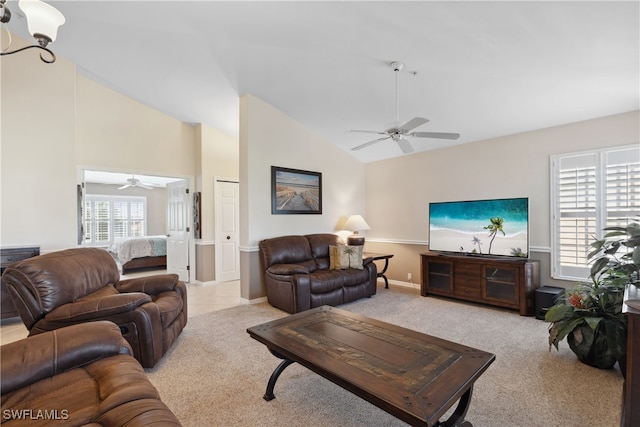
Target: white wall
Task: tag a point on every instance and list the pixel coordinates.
(270, 138)
(510, 166)
(399, 190)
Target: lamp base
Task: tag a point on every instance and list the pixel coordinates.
(355, 240)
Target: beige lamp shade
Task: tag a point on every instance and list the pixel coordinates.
(356, 224)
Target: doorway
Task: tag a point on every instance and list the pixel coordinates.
(151, 187)
(227, 226)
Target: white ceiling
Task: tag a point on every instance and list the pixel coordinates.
(484, 68)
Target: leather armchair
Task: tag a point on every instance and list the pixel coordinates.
(80, 285)
(75, 376)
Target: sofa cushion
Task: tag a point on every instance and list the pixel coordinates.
(320, 244)
(285, 250)
(322, 281)
(92, 394)
(353, 276)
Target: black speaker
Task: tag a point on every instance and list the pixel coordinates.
(545, 298)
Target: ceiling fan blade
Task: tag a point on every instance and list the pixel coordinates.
(438, 135)
(405, 146)
(124, 186)
(145, 186)
(412, 124)
(368, 131)
(366, 144)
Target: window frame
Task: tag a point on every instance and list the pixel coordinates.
(89, 217)
(602, 213)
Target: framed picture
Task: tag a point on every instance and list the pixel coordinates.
(197, 215)
(295, 191)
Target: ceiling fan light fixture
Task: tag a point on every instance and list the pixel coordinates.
(398, 132)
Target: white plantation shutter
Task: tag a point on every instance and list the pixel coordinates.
(590, 191)
(108, 218)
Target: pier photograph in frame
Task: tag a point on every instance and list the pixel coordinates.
(295, 191)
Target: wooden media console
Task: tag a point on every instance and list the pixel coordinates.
(508, 282)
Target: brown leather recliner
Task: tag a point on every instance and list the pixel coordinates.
(83, 285)
(80, 375)
(297, 274)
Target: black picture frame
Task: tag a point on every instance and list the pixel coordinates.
(295, 191)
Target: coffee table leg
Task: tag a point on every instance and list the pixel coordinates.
(457, 418)
(268, 395)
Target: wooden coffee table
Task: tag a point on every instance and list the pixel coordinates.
(411, 375)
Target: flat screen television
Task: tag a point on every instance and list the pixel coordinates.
(496, 227)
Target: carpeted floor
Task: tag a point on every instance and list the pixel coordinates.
(215, 374)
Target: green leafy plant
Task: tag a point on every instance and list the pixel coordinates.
(591, 317)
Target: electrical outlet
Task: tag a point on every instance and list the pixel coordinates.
(409, 276)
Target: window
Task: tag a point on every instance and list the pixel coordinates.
(108, 218)
(590, 191)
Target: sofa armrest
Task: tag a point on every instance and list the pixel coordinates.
(47, 354)
(98, 308)
(151, 285)
(287, 269)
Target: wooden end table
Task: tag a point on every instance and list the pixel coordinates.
(386, 258)
(413, 376)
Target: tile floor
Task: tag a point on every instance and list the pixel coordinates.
(200, 299)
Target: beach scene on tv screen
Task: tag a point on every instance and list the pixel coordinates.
(482, 227)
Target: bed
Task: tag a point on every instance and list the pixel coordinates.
(139, 252)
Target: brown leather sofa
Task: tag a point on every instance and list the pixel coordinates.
(78, 376)
(297, 276)
(83, 285)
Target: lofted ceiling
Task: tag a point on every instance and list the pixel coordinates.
(483, 68)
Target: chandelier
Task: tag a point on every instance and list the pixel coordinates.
(43, 21)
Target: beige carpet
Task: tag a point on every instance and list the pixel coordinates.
(215, 375)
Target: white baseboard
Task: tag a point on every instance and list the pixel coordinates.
(411, 285)
(253, 301)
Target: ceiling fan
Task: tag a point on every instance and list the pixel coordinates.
(134, 182)
(399, 132)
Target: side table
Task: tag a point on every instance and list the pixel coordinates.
(386, 258)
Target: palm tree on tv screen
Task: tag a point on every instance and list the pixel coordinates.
(495, 227)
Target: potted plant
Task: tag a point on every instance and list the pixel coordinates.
(591, 316)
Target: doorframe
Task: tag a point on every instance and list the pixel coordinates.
(218, 236)
(191, 180)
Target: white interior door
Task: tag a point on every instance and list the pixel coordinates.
(178, 229)
(227, 198)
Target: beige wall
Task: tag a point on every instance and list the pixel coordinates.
(56, 122)
(270, 138)
(38, 168)
(399, 190)
(217, 155)
(117, 133)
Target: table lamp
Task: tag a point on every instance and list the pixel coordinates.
(356, 223)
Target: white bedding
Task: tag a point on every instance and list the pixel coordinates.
(127, 248)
